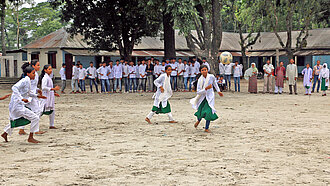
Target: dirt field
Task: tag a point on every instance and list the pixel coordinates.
(259, 139)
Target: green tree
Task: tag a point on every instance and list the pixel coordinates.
(108, 24)
(200, 23)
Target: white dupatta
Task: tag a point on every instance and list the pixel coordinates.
(162, 97)
(194, 101)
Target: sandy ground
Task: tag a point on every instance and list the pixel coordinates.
(258, 139)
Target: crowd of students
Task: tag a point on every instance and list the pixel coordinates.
(126, 76)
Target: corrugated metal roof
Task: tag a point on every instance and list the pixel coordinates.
(318, 39)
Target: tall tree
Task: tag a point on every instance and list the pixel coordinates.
(159, 12)
(108, 24)
(286, 15)
(200, 22)
(3, 15)
(248, 18)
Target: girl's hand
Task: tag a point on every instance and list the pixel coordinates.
(161, 89)
(220, 94)
(6, 96)
(42, 97)
(39, 92)
(25, 100)
(209, 87)
(56, 94)
(56, 88)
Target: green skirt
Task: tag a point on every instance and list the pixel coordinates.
(19, 122)
(323, 87)
(47, 112)
(205, 111)
(161, 110)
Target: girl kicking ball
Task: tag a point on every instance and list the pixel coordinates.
(163, 93)
(204, 101)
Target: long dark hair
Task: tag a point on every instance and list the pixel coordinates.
(43, 73)
(198, 76)
(27, 70)
(28, 64)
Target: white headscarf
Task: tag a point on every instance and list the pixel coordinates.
(194, 101)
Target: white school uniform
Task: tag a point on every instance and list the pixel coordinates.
(174, 69)
(118, 71)
(202, 93)
(131, 71)
(112, 74)
(308, 75)
(162, 69)
(156, 70)
(82, 73)
(62, 73)
(180, 68)
(187, 70)
(125, 70)
(49, 103)
(142, 71)
(22, 90)
(75, 72)
(103, 72)
(192, 71)
(137, 71)
(92, 71)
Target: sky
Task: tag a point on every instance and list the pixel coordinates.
(36, 1)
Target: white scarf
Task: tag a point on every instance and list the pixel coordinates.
(194, 101)
(167, 90)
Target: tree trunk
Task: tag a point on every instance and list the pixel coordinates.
(169, 36)
(3, 15)
(289, 54)
(18, 26)
(245, 61)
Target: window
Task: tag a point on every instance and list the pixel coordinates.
(52, 59)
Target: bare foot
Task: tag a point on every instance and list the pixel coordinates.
(207, 130)
(173, 121)
(40, 132)
(148, 120)
(21, 132)
(196, 124)
(52, 127)
(4, 135)
(32, 140)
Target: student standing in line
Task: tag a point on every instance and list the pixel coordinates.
(137, 78)
(81, 78)
(92, 74)
(118, 74)
(180, 74)
(150, 70)
(186, 72)
(308, 76)
(74, 80)
(63, 78)
(132, 77)
(192, 74)
(111, 77)
(104, 73)
(125, 76)
(143, 76)
(174, 74)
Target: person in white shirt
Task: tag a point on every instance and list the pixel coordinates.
(221, 69)
(143, 76)
(74, 80)
(104, 73)
(92, 74)
(268, 77)
(186, 71)
(237, 75)
(137, 78)
(204, 100)
(63, 78)
(228, 71)
(206, 63)
(111, 76)
(81, 78)
(132, 77)
(174, 74)
(157, 69)
(192, 73)
(118, 73)
(162, 67)
(180, 74)
(125, 75)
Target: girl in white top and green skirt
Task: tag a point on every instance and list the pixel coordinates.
(204, 101)
(163, 93)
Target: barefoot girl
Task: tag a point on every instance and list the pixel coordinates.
(19, 114)
(204, 101)
(34, 105)
(50, 92)
(163, 93)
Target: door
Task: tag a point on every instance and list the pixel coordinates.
(98, 60)
(68, 63)
(34, 56)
